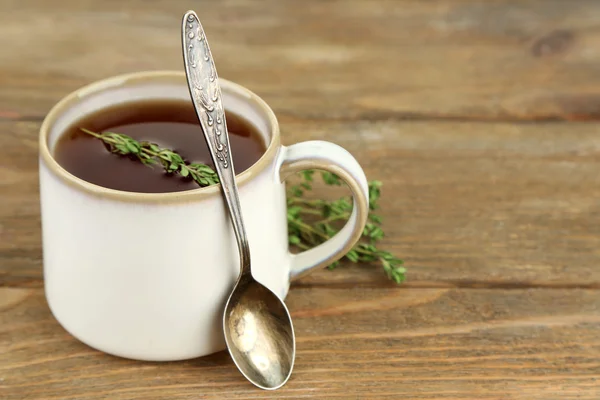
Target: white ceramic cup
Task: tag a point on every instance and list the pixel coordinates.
(146, 276)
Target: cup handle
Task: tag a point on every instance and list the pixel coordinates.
(330, 157)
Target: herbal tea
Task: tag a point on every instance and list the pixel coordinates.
(169, 124)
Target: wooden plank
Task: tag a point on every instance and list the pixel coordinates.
(532, 59)
(355, 343)
(466, 204)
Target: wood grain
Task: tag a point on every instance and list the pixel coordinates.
(353, 343)
(465, 203)
(451, 59)
(478, 116)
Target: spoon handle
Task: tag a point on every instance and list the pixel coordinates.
(205, 91)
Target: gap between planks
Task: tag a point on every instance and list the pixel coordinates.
(393, 116)
(35, 283)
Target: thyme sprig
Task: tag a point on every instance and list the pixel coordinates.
(310, 222)
(150, 153)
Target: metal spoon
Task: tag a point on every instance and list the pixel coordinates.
(257, 324)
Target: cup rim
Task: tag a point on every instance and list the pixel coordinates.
(188, 195)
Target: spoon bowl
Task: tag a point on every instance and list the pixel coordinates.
(259, 334)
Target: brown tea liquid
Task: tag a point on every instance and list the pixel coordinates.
(169, 124)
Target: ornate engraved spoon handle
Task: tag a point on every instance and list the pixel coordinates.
(205, 91)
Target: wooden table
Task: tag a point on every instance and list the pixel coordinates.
(479, 116)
